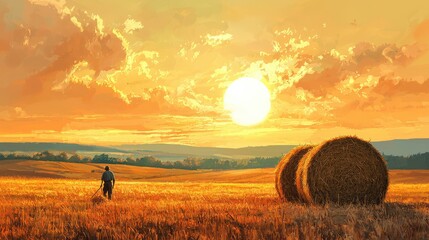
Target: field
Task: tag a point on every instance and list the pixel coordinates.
(227, 205)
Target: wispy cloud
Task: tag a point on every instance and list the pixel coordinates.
(216, 40)
(131, 25)
(132, 66)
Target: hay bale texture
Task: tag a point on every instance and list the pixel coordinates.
(343, 170)
(285, 174)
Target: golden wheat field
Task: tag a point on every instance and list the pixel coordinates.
(62, 209)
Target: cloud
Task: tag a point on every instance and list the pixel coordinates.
(40, 56)
(59, 5)
(320, 83)
(364, 58)
(216, 40)
(131, 25)
(391, 87)
(61, 62)
(8, 113)
(64, 69)
(361, 86)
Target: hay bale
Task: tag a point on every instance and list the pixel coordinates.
(98, 200)
(285, 174)
(343, 170)
(299, 177)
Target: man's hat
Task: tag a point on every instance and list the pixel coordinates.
(107, 168)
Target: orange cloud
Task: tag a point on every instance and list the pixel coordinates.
(60, 47)
(161, 71)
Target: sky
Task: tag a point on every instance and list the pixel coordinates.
(129, 72)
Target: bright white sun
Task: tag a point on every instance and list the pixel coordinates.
(248, 101)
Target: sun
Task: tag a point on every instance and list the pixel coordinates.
(248, 101)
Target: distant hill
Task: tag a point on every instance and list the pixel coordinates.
(404, 147)
(191, 151)
(173, 152)
(65, 147)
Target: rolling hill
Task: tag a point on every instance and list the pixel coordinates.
(404, 147)
(173, 152)
(92, 171)
(192, 151)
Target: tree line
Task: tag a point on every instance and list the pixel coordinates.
(416, 161)
(149, 161)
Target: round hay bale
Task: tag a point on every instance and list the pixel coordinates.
(343, 170)
(285, 174)
(299, 177)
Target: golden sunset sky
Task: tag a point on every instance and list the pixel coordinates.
(112, 72)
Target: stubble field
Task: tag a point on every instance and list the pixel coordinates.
(39, 208)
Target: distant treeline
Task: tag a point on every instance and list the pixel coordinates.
(416, 161)
(149, 161)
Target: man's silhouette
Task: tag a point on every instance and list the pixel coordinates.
(108, 178)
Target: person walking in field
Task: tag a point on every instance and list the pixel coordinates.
(108, 178)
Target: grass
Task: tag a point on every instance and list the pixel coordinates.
(61, 209)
